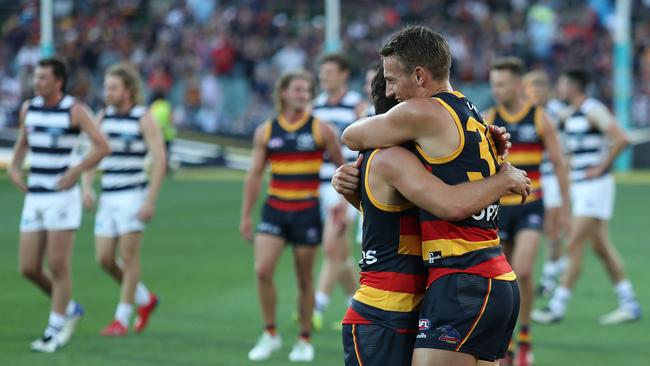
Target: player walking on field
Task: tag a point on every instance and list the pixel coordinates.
(520, 225)
(293, 143)
(128, 198)
(594, 140)
(338, 106)
(49, 129)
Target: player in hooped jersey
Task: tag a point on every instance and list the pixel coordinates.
(49, 129)
(594, 140)
(471, 303)
(293, 143)
(381, 324)
(520, 225)
(128, 198)
(336, 105)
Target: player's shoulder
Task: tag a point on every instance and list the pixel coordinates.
(388, 158)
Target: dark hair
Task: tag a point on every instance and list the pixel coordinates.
(420, 46)
(381, 102)
(579, 77)
(337, 58)
(512, 64)
(283, 83)
(58, 69)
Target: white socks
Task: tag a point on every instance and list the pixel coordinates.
(321, 301)
(625, 293)
(123, 313)
(69, 311)
(54, 324)
(142, 295)
(558, 302)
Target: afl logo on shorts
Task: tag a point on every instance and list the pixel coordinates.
(424, 324)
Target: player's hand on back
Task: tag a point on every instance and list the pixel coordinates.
(346, 179)
(501, 138)
(518, 181)
(16, 176)
(246, 228)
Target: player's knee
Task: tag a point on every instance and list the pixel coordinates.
(107, 262)
(305, 284)
(59, 267)
(29, 271)
(332, 251)
(263, 273)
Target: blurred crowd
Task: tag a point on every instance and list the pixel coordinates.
(217, 60)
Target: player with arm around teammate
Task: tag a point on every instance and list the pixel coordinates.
(382, 329)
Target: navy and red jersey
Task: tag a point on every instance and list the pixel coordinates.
(393, 279)
(295, 152)
(527, 151)
(471, 245)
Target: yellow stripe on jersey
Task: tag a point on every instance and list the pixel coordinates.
(267, 131)
(388, 300)
(296, 167)
(539, 126)
(455, 247)
(461, 133)
(375, 202)
(516, 200)
(315, 130)
(510, 276)
(516, 117)
(513, 200)
(410, 245)
(291, 127)
(293, 194)
(525, 158)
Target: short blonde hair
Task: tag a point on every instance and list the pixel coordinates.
(130, 76)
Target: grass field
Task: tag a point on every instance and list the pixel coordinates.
(195, 260)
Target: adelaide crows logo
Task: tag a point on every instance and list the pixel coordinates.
(448, 334)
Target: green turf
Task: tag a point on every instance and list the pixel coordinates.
(194, 258)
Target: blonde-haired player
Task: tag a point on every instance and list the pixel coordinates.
(128, 199)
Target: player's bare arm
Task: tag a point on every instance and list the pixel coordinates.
(555, 154)
(82, 117)
(19, 152)
(413, 119)
(88, 177)
(403, 170)
(603, 119)
(405, 122)
(253, 181)
(154, 140)
(331, 144)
